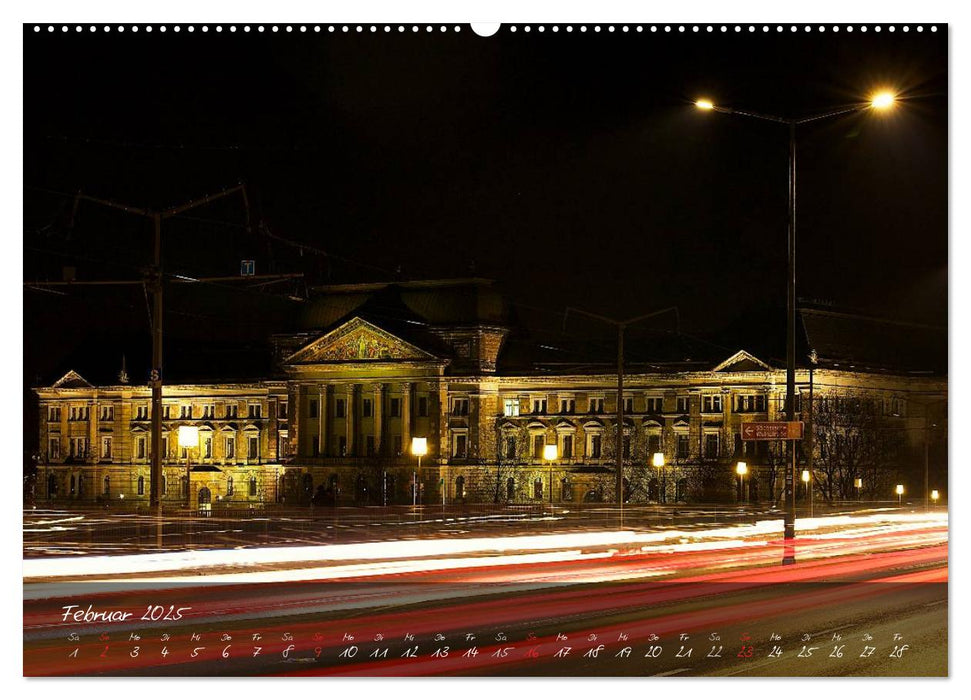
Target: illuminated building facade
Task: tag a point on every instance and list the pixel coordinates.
(334, 424)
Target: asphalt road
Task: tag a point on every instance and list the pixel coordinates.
(881, 589)
(57, 532)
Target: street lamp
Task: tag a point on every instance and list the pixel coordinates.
(934, 496)
(419, 448)
(658, 461)
(742, 469)
(550, 454)
(188, 439)
(900, 493)
(880, 101)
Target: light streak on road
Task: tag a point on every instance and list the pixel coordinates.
(490, 551)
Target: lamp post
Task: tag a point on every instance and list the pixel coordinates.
(419, 448)
(742, 469)
(934, 496)
(621, 327)
(658, 461)
(807, 479)
(880, 101)
(188, 438)
(900, 493)
(550, 454)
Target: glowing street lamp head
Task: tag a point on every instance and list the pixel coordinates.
(704, 104)
(883, 100)
(658, 459)
(550, 453)
(419, 446)
(741, 469)
(858, 482)
(805, 476)
(935, 495)
(900, 489)
(188, 436)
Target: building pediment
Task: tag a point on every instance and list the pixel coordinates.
(742, 361)
(72, 380)
(358, 341)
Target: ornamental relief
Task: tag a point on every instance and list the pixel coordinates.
(362, 345)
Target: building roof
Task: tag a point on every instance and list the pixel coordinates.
(867, 344)
(445, 302)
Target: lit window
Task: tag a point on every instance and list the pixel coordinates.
(510, 408)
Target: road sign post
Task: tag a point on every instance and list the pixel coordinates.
(772, 430)
(790, 431)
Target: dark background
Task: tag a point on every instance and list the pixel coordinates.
(570, 167)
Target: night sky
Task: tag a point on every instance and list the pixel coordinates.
(571, 168)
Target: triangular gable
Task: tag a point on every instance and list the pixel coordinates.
(742, 361)
(358, 340)
(72, 380)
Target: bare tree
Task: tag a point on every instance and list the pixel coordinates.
(637, 471)
(506, 464)
(853, 441)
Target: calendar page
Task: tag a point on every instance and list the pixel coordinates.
(545, 349)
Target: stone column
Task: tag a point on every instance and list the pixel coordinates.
(443, 445)
(378, 415)
(406, 417)
(322, 419)
(65, 436)
(349, 418)
(293, 419)
(94, 449)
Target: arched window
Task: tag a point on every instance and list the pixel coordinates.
(72, 484)
(51, 486)
(510, 489)
(681, 492)
(538, 488)
(141, 486)
(460, 487)
(252, 486)
(80, 484)
(229, 486)
(106, 491)
(567, 489)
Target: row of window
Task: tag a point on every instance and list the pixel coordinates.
(77, 486)
(511, 446)
(512, 407)
(79, 448)
(367, 407)
(710, 403)
(142, 411)
(370, 446)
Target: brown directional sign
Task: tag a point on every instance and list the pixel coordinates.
(772, 430)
